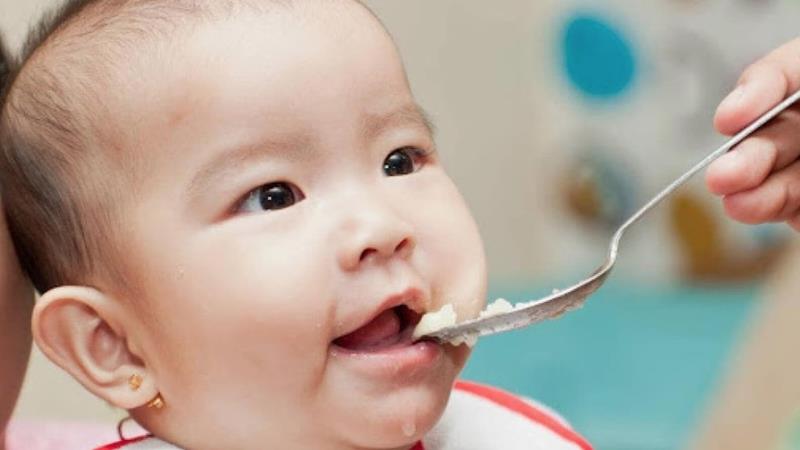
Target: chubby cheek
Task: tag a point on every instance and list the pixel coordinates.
(246, 324)
(452, 250)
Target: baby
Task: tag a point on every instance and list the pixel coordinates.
(236, 214)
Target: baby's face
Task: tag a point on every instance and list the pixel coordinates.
(292, 222)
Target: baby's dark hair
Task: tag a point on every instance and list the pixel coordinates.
(60, 168)
(5, 66)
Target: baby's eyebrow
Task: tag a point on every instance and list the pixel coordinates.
(409, 114)
(227, 163)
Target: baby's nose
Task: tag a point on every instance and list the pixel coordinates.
(374, 233)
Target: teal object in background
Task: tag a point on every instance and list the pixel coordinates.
(794, 436)
(633, 370)
(598, 58)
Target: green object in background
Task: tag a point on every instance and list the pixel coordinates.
(793, 438)
(633, 370)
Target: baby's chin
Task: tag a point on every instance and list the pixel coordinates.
(401, 417)
(408, 422)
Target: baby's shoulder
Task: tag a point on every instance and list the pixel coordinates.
(481, 417)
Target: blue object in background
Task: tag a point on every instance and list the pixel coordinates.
(598, 59)
(633, 370)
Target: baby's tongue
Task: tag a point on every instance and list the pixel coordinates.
(383, 330)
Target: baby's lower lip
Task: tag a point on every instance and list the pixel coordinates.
(398, 360)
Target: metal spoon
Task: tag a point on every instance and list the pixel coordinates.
(574, 296)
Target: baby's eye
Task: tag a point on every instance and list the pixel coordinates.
(271, 197)
(403, 161)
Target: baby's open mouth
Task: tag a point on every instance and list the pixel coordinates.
(391, 328)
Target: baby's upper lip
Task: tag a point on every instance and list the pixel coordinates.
(411, 297)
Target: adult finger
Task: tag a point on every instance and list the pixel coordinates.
(749, 164)
(778, 199)
(761, 86)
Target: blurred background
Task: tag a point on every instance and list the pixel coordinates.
(558, 119)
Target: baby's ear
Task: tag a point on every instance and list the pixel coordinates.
(83, 331)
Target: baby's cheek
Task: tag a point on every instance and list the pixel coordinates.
(457, 260)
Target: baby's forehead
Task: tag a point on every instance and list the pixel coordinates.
(90, 37)
(105, 60)
(199, 85)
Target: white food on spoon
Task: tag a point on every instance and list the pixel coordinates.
(446, 317)
(434, 321)
(499, 306)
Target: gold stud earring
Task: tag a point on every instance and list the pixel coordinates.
(156, 403)
(135, 382)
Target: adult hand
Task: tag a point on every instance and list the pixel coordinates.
(760, 179)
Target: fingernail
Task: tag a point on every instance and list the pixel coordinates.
(734, 98)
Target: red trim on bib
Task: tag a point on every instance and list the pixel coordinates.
(419, 446)
(121, 444)
(524, 408)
